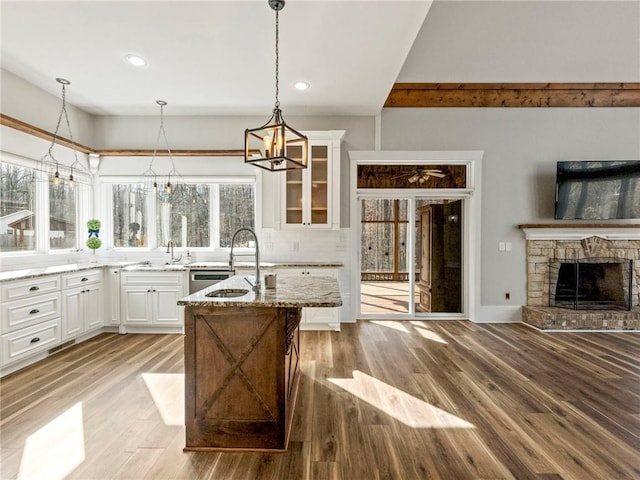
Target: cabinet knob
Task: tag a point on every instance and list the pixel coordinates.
(34, 340)
(34, 311)
(34, 288)
(148, 291)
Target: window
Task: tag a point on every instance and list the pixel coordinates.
(17, 208)
(62, 216)
(194, 215)
(129, 215)
(236, 211)
(183, 216)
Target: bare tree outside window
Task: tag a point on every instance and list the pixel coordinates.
(62, 216)
(183, 216)
(129, 215)
(237, 210)
(17, 208)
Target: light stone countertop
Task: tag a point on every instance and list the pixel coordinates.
(57, 269)
(144, 266)
(290, 292)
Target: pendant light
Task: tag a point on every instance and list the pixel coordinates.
(49, 165)
(150, 177)
(273, 139)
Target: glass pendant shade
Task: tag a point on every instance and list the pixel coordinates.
(267, 146)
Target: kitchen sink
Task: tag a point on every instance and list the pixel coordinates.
(228, 293)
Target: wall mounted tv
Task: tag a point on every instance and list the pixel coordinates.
(598, 190)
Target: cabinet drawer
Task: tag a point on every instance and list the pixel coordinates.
(29, 311)
(81, 278)
(28, 288)
(152, 278)
(30, 340)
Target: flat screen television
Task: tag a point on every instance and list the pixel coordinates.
(598, 190)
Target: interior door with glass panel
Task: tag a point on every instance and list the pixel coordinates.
(384, 286)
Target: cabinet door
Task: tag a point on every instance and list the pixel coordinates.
(93, 307)
(294, 191)
(72, 313)
(318, 186)
(308, 192)
(136, 302)
(166, 310)
(112, 297)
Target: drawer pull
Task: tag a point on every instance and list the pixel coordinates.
(35, 340)
(34, 311)
(84, 279)
(34, 288)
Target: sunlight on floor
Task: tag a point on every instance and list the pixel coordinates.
(427, 333)
(391, 324)
(403, 407)
(56, 449)
(167, 391)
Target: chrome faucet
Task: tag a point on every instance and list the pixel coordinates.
(254, 286)
(170, 246)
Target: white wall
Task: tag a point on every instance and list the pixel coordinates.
(527, 41)
(520, 42)
(30, 104)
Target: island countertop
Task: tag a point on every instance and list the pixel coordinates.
(290, 292)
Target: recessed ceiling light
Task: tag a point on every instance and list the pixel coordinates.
(136, 60)
(301, 85)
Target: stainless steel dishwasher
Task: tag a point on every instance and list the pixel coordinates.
(203, 276)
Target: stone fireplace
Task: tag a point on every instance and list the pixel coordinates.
(583, 277)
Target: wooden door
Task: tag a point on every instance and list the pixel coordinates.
(424, 283)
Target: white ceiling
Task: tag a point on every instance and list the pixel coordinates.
(212, 57)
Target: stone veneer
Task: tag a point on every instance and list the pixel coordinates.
(539, 314)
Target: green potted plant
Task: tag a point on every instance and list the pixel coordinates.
(93, 242)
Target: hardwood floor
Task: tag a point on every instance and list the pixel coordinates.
(380, 400)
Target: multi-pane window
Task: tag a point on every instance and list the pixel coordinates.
(17, 208)
(193, 215)
(129, 215)
(62, 216)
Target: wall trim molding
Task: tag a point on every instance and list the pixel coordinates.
(29, 129)
(513, 95)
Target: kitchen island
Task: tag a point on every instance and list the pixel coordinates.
(242, 361)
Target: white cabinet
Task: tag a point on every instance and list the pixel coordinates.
(149, 301)
(315, 318)
(112, 297)
(30, 317)
(82, 303)
(310, 197)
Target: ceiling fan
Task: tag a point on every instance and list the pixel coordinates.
(421, 175)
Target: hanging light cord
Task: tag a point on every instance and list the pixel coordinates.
(277, 61)
(63, 111)
(163, 133)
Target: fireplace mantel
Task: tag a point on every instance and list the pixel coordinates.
(580, 231)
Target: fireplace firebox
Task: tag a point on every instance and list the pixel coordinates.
(591, 283)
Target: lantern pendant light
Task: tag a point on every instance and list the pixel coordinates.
(267, 146)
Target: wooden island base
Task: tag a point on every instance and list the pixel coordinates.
(241, 377)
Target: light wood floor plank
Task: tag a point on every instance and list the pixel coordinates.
(441, 400)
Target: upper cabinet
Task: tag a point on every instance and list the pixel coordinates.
(311, 196)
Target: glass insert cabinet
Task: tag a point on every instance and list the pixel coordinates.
(311, 196)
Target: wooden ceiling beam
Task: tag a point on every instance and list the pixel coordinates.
(513, 95)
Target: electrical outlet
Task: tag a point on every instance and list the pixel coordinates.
(295, 246)
(507, 296)
(501, 246)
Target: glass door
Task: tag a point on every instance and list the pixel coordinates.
(411, 259)
(319, 185)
